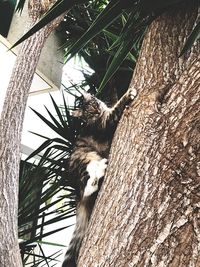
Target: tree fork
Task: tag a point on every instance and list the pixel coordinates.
(147, 213)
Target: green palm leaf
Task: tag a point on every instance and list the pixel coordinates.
(195, 34)
(112, 11)
(116, 62)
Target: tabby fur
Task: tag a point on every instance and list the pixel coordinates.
(88, 160)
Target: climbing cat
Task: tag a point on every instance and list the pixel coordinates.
(88, 160)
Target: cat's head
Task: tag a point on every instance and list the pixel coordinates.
(89, 108)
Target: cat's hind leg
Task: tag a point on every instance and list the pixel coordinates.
(96, 170)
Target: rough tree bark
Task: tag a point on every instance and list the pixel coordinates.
(147, 213)
(10, 132)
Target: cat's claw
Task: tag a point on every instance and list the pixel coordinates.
(95, 182)
(132, 93)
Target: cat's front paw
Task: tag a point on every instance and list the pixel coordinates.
(132, 93)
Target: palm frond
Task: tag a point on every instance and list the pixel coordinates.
(195, 34)
(40, 184)
(20, 5)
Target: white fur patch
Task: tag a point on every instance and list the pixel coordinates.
(100, 172)
(96, 170)
(104, 107)
(133, 93)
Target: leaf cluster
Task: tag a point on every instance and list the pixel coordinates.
(115, 27)
(47, 192)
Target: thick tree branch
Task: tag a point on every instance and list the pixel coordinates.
(159, 63)
(148, 207)
(11, 122)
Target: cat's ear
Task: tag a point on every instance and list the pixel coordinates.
(77, 113)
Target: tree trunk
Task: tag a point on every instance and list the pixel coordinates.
(147, 212)
(10, 133)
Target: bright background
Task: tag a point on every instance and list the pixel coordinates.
(38, 98)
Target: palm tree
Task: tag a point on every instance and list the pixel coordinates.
(41, 181)
(158, 194)
(11, 122)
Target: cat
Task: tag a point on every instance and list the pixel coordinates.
(88, 160)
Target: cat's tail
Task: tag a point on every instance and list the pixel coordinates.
(82, 218)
